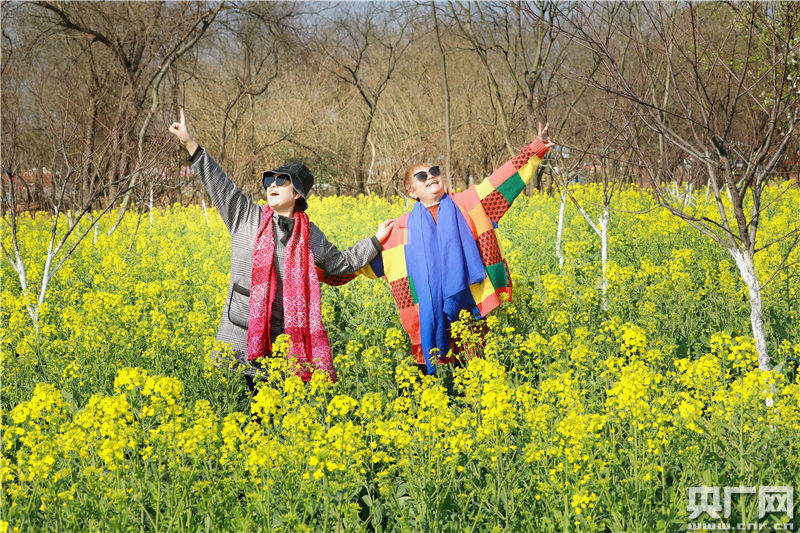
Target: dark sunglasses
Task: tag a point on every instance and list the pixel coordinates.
(278, 180)
(423, 175)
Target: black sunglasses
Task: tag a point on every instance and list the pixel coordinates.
(423, 175)
(278, 180)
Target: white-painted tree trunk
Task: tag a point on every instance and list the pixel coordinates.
(601, 229)
(560, 232)
(51, 264)
(745, 264)
(688, 197)
(19, 267)
(114, 227)
(205, 212)
(604, 218)
(46, 276)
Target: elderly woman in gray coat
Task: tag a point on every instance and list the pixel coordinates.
(263, 300)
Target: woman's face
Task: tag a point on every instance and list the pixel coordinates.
(428, 192)
(282, 197)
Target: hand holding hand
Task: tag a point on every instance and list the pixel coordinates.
(383, 229)
(543, 135)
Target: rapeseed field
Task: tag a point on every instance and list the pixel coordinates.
(576, 418)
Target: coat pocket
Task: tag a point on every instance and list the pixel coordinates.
(239, 306)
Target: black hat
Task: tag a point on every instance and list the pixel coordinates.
(301, 178)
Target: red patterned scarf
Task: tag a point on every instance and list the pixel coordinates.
(302, 303)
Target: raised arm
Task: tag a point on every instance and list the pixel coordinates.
(230, 201)
(497, 192)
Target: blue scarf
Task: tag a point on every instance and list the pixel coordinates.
(442, 260)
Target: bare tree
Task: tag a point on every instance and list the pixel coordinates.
(143, 42)
(361, 47)
(722, 95)
(252, 39)
(64, 235)
(601, 157)
(514, 50)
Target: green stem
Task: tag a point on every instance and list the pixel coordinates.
(327, 502)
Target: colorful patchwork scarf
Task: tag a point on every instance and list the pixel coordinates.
(443, 260)
(302, 305)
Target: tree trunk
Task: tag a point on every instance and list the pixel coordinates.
(746, 265)
(121, 171)
(604, 218)
(361, 175)
(89, 148)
